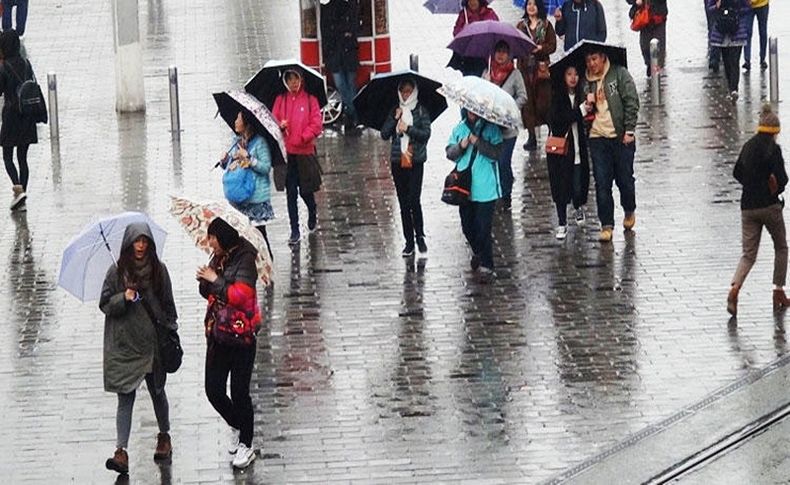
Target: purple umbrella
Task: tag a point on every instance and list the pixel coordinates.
(479, 38)
(444, 6)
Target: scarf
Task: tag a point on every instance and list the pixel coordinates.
(141, 272)
(540, 31)
(499, 74)
(603, 125)
(407, 106)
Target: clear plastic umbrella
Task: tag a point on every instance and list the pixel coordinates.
(485, 99)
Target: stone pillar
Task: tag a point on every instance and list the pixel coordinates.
(129, 87)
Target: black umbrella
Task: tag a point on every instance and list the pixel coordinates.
(376, 100)
(231, 103)
(268, 82)
(575, 57)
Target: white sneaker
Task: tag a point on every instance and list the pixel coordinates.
(244, 456)
(18, 198)
(233, 444)
(562, 232)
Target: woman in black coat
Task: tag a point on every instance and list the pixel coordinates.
(17, 130)
(569, 174)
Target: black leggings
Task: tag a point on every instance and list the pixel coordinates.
(21, 155)
(262, 229)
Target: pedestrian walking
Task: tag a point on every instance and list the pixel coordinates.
(477, 142)
(728, 33)
(301, 122)
(17, 130)
(339, 32)
(714, 53)
(409, 128)
(760, 12)
(613, 98)
(655, 29)
(10, 8)
(250, 151)
(760, 170)
(569, 173)
(504, 74)
(232, 319)
(471, 11)
(578, 20)
(136, 296)
(535, 68)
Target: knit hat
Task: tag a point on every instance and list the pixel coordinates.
(224, 232)
(769, 122)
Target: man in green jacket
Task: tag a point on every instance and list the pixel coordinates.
(612, 98)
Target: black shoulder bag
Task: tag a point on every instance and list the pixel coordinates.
(170, 352)
(458, 184)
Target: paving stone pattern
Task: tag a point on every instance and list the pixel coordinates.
(371, 368)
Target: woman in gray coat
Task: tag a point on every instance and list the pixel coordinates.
(136, 285)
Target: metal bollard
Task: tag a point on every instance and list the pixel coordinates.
(655, 78)
(54, 127)
(414, 62)
(773, 60)
(175, 117)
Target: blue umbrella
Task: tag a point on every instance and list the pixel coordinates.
(551, 5)
(88, 256)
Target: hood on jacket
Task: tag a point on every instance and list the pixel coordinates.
(298, 73)
(483, 3)
(9, 44)
(135, 230)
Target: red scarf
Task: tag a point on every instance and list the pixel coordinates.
(499, 74)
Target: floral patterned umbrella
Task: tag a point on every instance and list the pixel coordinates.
(230, 103)
(195, 217)
(485, 99)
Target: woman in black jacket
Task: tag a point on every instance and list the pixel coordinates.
(409, 127)
(17, 130)
(760, 169)
(569, 174)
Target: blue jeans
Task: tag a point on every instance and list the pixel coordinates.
(21, 15)
(761, 14)
(613, 161)
(346, 84)
(292, 193)
(476, 221)
(506, 167)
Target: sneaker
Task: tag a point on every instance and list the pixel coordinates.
(312, 222)
(747, 66)
(580, 217)
(164, 448)
(295, 237)
(244, 456)
(562, 232)
(734, 96)
(233, 444)
(119, 462)
(531, 144)
(486, 274)
(606, 234)
(408, 250)
(474, 263)
(507, 204)
(19, 197)
(629, 221)
(763, 66)
(421, 246)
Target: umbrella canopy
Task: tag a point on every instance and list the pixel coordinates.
(575, 57)
(195, 218)
(551, 5)
(268, 82)
(231, 103)
(88, 256)
(445, 6)
(479, 38)
(380, 96)
(484, 99)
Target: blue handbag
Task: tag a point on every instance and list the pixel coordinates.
(238, 184)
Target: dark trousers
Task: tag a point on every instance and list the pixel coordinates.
(21, 177)
(761, 14)
(292, 193)
(613, 162)
(408, 186)
(222, 360)
(752, 223)
(714, 53)
(265, 235)
(21, 15)
(654, 31)
(731, 56)
(506, 167)
(476, 220)
(569, 183)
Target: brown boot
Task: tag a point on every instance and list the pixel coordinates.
(119, 462)
(732, 300)
(164, 449)
(780, 300)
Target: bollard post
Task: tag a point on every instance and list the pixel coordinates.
(414, 62)
(54, 127)
(773, 59)
(655, 78)
(175, 117)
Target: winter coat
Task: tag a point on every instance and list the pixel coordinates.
(561, 117)
(466, 16)
(419, 133)
(586, 21)
(658, 8)
(16, 129)
(514, 86)
(760, 158)
(130, 346)
(533, 113)
(485, 171)
(339, 32)
(719, 39)
(260, 164)
(305, 121)
(622, 97)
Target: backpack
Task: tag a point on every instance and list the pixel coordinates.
(728, 17)
(30, 100)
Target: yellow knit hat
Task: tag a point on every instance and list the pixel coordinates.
(769, 122)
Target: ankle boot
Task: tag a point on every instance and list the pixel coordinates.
(164, 449)
(119, 462)
(732, 300)
(780, 300)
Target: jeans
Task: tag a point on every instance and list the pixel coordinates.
(22, 176)
(21, 15)
(506, 167)
(730, 56)
(123, 415)
(346, 84)
(613, 161)
(752, 222)
(292, 193)
(714, 53)
(761, 14)
(237, 411)
(408, 186)
(476, 221)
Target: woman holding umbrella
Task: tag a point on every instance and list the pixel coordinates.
(471, 11)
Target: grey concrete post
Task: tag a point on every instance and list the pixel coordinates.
(54, 125)
(414, 62)
(129, 86)
(773, 61)
(175, 117)
(655, 78)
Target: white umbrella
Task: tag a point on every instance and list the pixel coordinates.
(485, 99)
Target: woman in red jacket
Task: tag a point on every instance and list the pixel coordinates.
(301, 122)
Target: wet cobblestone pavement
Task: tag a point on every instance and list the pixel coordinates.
(372, 368)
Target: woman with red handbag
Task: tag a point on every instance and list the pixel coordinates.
(656, 28)
(568, 162)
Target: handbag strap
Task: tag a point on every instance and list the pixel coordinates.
(150, 312)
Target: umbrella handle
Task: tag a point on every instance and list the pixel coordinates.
(107, 244)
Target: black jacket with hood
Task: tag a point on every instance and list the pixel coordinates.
(760, 158)
(339, 32)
